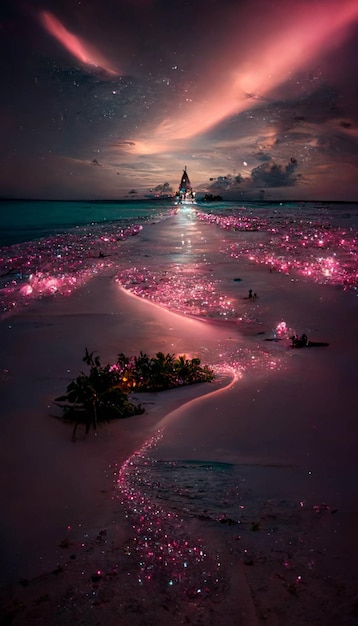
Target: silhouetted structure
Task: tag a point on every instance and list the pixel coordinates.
(185, 192)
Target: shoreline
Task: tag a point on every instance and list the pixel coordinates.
(49, 322)
(102, 526)
(268, 418)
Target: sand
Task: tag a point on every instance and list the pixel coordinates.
(65, 536)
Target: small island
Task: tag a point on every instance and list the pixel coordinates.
(102, 394)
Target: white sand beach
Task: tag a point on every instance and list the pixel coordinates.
(289, 423)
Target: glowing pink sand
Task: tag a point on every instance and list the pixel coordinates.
(270, 407)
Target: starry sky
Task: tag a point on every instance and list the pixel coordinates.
(112, 98)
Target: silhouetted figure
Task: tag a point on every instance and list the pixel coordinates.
(250, 294)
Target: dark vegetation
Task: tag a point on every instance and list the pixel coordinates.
(102, 394)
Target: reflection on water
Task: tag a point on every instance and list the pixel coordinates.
(164, 548)
(317, 243)
(191, 519)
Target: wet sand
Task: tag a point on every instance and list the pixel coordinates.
(293, 430)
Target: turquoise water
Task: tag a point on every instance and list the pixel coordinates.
(31, 219)
(26, 220)
(53, 247)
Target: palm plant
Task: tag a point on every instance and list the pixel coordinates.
(190, 371)
(102, 394)
(162, 371)
(182, 367)
(124, 368)
(96, 397)
(141, 371)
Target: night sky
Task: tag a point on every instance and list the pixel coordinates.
(112, 98)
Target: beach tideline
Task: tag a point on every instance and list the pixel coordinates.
(293, 430)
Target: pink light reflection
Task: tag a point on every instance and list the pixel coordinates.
(317, 251)
(56, 265)
(164, 550)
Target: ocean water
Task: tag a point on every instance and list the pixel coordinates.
(22, 221)
(50, 249)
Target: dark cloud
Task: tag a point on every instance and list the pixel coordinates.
(165, 188)
(337, 143)
(267, 175)
(275, 175)
(222, 183)
(262, 156)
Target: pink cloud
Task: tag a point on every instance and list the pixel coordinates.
(77, 47)
(277, 47)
